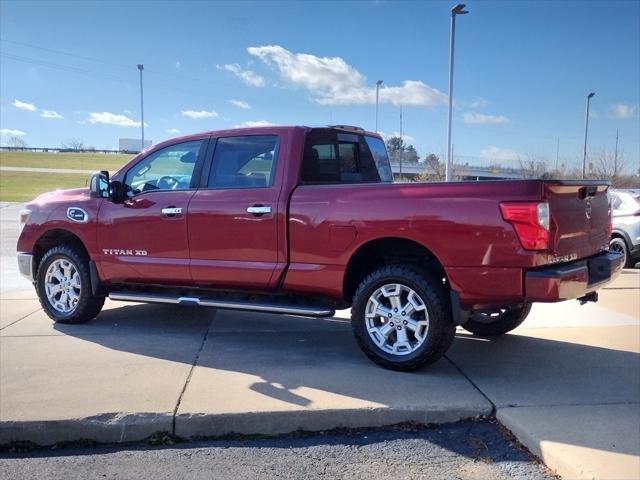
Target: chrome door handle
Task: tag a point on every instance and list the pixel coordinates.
(170, 211)
(259, 209)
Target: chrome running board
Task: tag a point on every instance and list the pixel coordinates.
(301, 310)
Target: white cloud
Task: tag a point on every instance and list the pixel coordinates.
(24, 105)
(11, 132)
(195, 114)
(406, 138)
(173, 130)
(497, 153)
(483, 119)
(249, 77)
(178, 64)
(255, 123)
(332, 81)
(479, 102)
(127, 112)
(240, 104)
(622, 110)
(50, 114)
(109, 118)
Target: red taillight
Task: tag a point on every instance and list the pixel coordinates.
(531, 221)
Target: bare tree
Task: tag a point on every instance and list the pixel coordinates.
(74, 144)
(609, 166)
(532, 167)
(433, 169)
(16, 142)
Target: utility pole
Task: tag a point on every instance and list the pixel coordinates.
(401, 144)
(457, 10)
(615, 157)
(141, 67)
(586, 130)
(378, 83)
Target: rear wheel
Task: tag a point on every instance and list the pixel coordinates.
(617, 244)
(63, 285)
(498, 322)
(401, 318)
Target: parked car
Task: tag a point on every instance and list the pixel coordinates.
(625, 236)
(303, 221)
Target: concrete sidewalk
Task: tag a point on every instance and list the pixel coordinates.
(139, 369)
(568, 384)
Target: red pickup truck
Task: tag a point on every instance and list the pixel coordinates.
(303, 221)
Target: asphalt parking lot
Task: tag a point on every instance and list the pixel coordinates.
(566, 383)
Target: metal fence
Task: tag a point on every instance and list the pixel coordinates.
(62, 150)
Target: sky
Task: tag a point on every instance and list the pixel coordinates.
(523, 70)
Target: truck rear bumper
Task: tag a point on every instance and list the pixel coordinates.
(572, 280)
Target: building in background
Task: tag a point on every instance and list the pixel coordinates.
(132, 145)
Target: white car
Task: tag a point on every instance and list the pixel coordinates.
(625, 237)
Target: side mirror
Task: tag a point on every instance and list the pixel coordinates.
(99, 185)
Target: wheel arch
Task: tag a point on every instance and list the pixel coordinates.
(618, 233)
(384, 251)
(56, 237)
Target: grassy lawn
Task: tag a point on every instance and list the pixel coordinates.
(80, 161)
(24, 186)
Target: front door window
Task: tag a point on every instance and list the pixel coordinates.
(170, 168)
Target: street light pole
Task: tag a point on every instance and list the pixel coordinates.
(141, 67)
(457, 10)
(615, 157)
(401, 144)
(586, 129)
(378, 83)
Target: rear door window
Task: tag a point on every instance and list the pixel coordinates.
(244, 162)
(335, 157)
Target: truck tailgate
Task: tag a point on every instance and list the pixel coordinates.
(579, 216)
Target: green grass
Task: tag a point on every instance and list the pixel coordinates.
(24, 186)
(80, 161)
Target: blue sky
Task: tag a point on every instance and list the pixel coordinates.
(522, 71)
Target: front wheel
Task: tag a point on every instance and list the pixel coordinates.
(498, 322)
(401, 318)
(63, 285)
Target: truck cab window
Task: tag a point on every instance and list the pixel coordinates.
(244, 162)
(335, 157)
(170, 168)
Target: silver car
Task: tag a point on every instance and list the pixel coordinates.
(625, 237)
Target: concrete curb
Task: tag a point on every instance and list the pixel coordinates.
(274, 423)
(129, 427)
(580, 441)
(105, 428)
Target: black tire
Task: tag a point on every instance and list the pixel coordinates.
(617, 244)
(481, 324)
(88, 305)
(441, 329)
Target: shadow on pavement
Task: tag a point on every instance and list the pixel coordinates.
(287, 353)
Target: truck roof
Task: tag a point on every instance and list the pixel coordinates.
(255, 130)
(273, 129)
